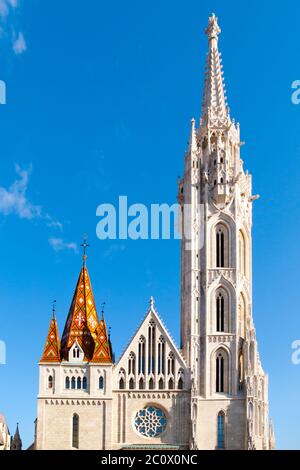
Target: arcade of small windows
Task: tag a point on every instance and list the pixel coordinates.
(76, 384)
(151, 383)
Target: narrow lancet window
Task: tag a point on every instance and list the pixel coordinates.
(221, 431)
(75, 431)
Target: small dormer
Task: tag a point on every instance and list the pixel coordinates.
(76, 353)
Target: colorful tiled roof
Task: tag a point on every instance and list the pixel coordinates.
(52, 346)
(82, 320)
(102, 352)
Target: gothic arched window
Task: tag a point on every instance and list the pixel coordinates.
(222, 246)
(84, 383)
(75, 431)
(171, 364)
(161, 355)
(221, 430)
(121, 383)
(141, 384)
(50, 381)
(141, 355)
(171, 384)
(151, 347)
(151, 384)
(180, 383)
(67, 382)
(78, 382)
(101, 382)
(76, 351)
(161, 384)
(73, 383)
(220, 312)
(131, 363)
(131, 384)
(220, 372)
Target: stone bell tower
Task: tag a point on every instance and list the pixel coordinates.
(229, 403)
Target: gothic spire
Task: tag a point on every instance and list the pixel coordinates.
(214, 104)
(52, 346)
(82, 320)
(16, 441)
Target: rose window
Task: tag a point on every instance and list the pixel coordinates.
(150, 421)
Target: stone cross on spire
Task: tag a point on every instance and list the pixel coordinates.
(214, 104)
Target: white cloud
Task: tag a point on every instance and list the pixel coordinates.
(7, 28)
(19, 44)
(53, 223)
(5, 6)
(114, 248)
(14, 199)
(58, 244)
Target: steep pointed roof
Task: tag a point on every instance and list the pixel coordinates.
(102, 352)
(82, 320)
(17, 441)
(52, 346)
(214, 104)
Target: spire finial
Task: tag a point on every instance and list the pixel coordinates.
(213, 30)
(151, 303)
(84, 245)
(54, 309)
(102, 309)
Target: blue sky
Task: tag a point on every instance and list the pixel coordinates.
(99, 101)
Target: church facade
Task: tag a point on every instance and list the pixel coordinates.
(212, 393)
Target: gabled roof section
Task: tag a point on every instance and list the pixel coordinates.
(102, 352)
(82, 320)
(152, 314)
(52, 346)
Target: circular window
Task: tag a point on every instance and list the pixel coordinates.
(150, 421)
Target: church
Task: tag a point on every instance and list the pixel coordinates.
(212, 392)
